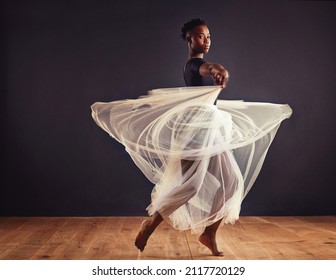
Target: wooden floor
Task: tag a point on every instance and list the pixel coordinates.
(106, 238)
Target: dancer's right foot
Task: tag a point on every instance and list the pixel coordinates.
(209, 240)
(143, 235)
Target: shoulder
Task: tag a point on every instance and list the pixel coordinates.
(194, 64)
(196, 61)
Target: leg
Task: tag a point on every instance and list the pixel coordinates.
(147, 228)
(208, 238)
(224, 166)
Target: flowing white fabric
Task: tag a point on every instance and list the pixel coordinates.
(203, 158)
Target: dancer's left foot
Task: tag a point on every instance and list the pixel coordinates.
(209, 241)
(143, 235)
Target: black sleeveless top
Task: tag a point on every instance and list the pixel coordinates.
(192, 76)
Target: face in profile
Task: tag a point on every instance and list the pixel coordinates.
(199, 39)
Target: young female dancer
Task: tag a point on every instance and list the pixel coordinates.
(203, 158)
(197, 72)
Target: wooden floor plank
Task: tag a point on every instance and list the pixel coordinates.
(99, 238)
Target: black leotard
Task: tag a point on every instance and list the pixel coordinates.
(192, 76)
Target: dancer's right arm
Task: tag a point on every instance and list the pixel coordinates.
(217, 71)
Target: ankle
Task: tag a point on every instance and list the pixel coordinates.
(209, 232)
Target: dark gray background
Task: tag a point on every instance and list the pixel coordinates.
(59, 57)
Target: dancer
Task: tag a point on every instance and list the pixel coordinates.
(202, 158)
(197, 72)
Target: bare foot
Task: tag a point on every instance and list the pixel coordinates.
(210, 242)
(143, 235)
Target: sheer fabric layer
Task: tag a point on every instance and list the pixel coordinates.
(202, 158)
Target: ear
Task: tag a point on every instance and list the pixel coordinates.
(188, 38)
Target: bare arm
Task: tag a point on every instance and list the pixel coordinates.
(217, 71)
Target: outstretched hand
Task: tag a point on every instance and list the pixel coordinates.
(221, 78)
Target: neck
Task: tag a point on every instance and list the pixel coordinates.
(200, 55)
(193, 54)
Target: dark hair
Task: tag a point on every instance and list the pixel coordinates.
(190, 25)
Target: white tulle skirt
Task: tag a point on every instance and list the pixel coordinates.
(202, 158)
